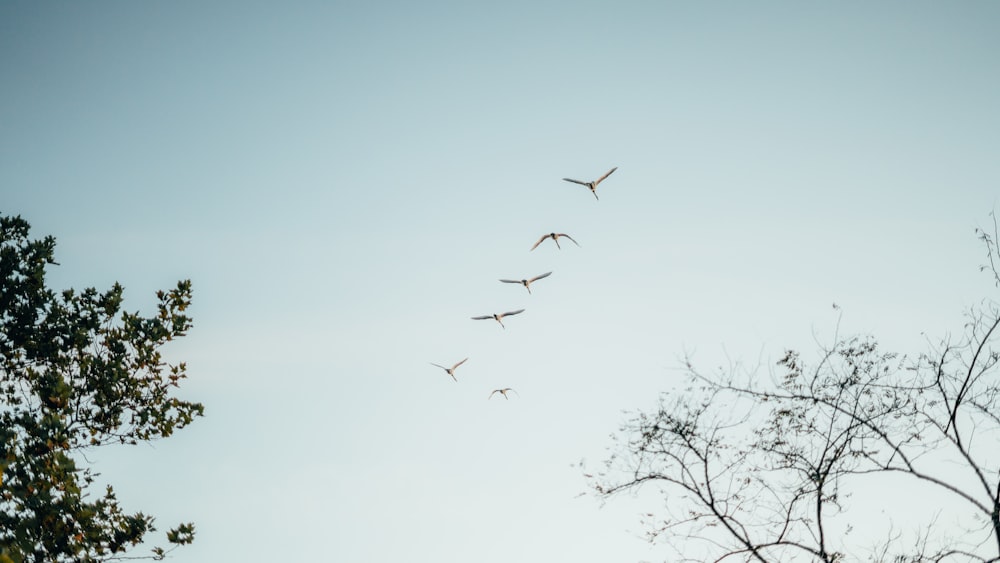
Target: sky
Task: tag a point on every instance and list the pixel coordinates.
(345, 182)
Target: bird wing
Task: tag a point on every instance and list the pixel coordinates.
(495, 391)
(570, 238)
(482, 318)
(459, 363)
(511, 281)
(539, 241)
(576, 181)
(601, 179)
(509, 313)
(545, 275)
(442, 367)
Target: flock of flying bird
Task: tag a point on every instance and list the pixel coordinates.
(498, 317)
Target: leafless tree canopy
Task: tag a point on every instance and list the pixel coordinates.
(761, 468)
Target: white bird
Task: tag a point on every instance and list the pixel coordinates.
(450, 371)
(555, 238)
(502, 392)
(527, 283)
(498, 316)
(592, 185)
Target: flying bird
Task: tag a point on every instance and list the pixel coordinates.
(592, 185)
(502, 392)
(527, 283)
(555, 238)
(450, 371)
(498, 316)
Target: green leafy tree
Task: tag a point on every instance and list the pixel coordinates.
(761, 468)
(77, 372)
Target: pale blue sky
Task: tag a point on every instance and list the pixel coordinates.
(345, 182)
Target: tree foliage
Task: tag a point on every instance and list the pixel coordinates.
(77, 372)
(762, 468)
